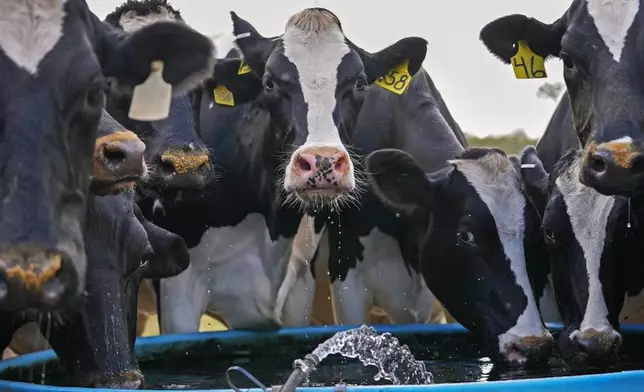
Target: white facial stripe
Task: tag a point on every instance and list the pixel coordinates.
(499, 189)
(316, 57)
(130, 21)
(613, 19)
(29, 30)
(588, 212)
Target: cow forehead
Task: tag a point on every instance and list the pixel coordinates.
(613, 19)
(29, 30)
(496, 183)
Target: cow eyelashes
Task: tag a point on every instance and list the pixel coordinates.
(466, 237)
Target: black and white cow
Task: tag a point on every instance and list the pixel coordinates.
(592, 240)
(599, 42)
(296, 116)
(177, 157)
(481, 248)
(54, 56)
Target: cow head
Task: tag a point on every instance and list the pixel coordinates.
(118, 158)
(591, 239)
(97, 340)
(54, 56)
(599, 43)
(178, 158)
(312, 80)
(481, 252)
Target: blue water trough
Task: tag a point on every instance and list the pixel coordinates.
(155, 346)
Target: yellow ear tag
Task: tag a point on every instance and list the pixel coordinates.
(396, 79)
(527, 64)
(223, 96)
(243, 68)
(151, 99)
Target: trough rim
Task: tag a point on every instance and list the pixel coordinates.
(632, 380)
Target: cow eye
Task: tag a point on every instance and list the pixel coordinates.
(567, 61)
(360, 85)
(549, 234)
(269, 84)
(466, 237)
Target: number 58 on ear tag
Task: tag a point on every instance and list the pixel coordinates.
(527, 64)
(396, 79)
(223, 96)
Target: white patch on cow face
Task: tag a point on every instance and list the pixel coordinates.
(29, 30)
(317, 57)
(495, 181)
(613, 19)
(130, 21)
(588, 212)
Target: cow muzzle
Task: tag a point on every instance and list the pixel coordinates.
(184, 169)
(33, 278)
(528, 348)
(118, 163)
(596, 344)
(320, 173)
(613, 168)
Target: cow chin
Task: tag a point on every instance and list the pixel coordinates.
(334, 197)
(132, 379)
(114, 187)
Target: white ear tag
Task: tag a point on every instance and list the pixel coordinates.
(151, 99)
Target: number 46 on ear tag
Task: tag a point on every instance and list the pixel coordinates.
(527, 64)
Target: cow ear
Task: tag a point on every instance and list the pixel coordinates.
(170, 251)
(188, 57)
(412, 49)
(535, 178)
(398, 180)
(244, 87)
(502, 35)
(254, 47)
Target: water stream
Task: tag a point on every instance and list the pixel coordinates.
(394, 361)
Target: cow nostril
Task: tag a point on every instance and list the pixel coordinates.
(596, 163)
(166, 165)
(341, 164)
(113, 154)
(52, 291)
(302, 164)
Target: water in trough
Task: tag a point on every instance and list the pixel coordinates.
(438, 358)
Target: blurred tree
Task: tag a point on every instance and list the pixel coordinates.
(550, 90)
(511, 143)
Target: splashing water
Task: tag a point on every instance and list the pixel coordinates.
(394, 362)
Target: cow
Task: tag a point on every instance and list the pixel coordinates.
(96, 341)
(55, 56)
(480, 244)
(591, 239)
(289, 112)
(178, 158)
(598, 42)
